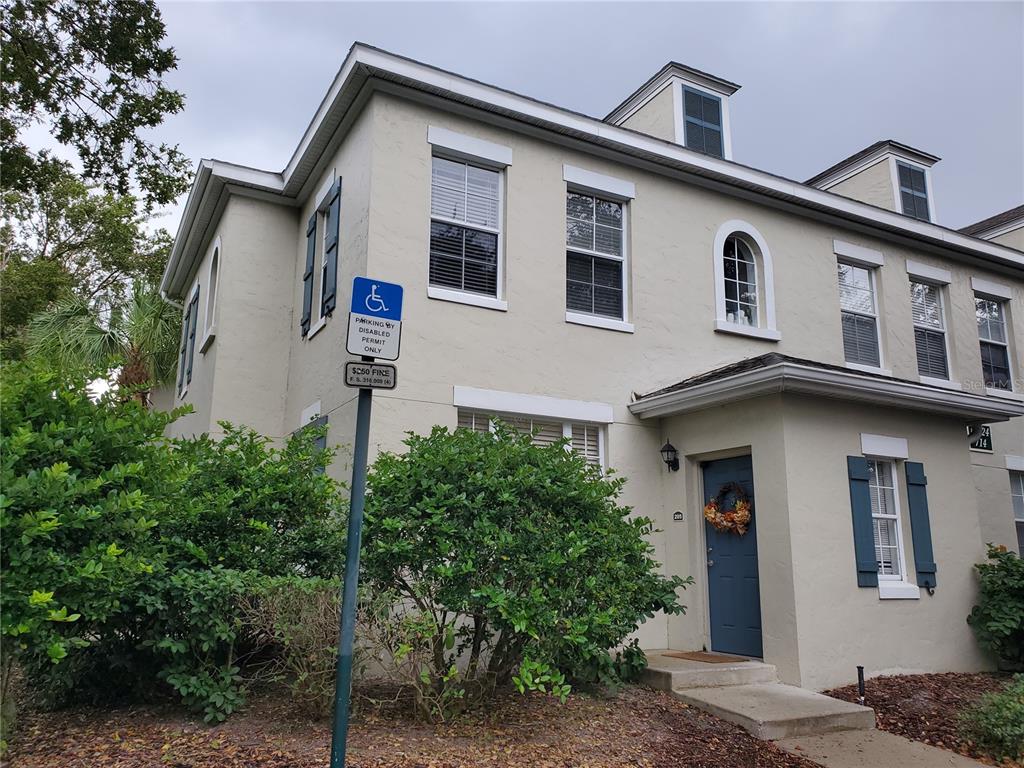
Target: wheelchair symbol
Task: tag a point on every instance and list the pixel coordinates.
(375, 303)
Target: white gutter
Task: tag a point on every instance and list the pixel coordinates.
(804, 379)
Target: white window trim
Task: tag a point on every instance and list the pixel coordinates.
(183, 361)
(465, 297)
(598, 321)
(598, 183)
(894, 173)
(1015, 463)
(944, 383)
(987, 295)
(212, 289)
(872, 274)
(926, 273)
(321, 201)
(310, 413)
(497, 301)
(945, 334)
(469, 148)
(316, 327)
(991, 290)
(884, 446)
(496, 401)
(768, 330)
(679, 108)
(602, 321)
(892, 587)
(858, 255)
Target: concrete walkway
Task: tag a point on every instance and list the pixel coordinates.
(872, 749)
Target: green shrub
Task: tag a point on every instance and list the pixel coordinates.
(506, 559)
(124, 557)
(996, 722)
(998, 619)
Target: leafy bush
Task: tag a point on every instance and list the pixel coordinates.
(996, 722)
(125, 556)
(998, 619)
(506, 559)
(84, 484)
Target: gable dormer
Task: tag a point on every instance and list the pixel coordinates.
(683, 105)
(888, 175)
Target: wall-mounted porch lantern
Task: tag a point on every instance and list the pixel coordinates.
(670, 456)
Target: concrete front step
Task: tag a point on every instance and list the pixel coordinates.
(772, 711)
(667, 673)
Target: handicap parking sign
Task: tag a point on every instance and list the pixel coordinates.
(375, 321)
(376, 298)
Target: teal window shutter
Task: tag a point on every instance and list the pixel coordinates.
(920, 525)
(329, 294)
(307, 275)
(863, 531)
(193, 312)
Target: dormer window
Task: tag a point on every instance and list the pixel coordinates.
(703, 116)
(913, 191)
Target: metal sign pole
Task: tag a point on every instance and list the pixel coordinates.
(343, 681)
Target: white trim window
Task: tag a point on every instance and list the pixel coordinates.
(885, 519)
(740, 282)
(586, 439)
(995, 349)
(595, 261)
(465, 227)
(1017, 498)
(929, 330)
(913, 189)
(860, 315)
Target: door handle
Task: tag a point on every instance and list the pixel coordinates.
(710, 563)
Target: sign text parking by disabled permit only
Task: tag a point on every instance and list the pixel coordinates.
(375, 320)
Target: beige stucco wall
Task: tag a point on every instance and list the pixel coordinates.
(655, 118)
(1013, 239)
(840, 624)
(873, 185)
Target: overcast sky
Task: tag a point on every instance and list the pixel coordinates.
(819, 80)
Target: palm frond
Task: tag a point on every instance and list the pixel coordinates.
(71, 336)
(153, 327)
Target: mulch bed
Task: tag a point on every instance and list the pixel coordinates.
(926, 708)
(638, 727)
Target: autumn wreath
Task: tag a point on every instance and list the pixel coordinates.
(735, 518)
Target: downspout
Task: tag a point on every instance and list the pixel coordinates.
(169, 300)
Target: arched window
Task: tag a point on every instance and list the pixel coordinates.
(744, 288)
(740, 277)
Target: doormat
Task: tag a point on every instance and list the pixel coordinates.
(710, 658)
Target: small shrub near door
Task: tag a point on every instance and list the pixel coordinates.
(998, 618)
(507, 563)
(996, 722)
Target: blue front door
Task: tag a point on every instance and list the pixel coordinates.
(733, 591)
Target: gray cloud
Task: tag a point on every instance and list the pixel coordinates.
(820, 80)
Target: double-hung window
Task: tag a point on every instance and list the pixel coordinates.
(586, 439)
(995, 353)
(703, 121)
(913, 191)
(595, 255)
(1017, 496)
(860, 315)
(187, 352)
(885, 519)
(465, 227)
(929, 330)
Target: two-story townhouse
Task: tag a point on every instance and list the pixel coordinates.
(690, 322)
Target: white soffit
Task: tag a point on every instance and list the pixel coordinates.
(496, 401)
